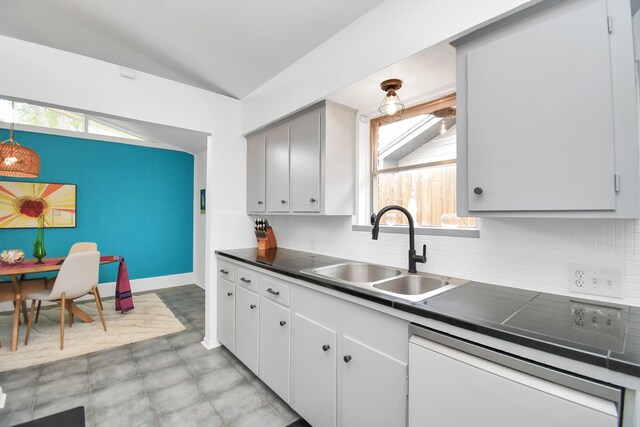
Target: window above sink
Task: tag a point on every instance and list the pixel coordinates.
(413, 165)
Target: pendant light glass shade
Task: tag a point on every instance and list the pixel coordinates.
(16, 160)
(391, 107)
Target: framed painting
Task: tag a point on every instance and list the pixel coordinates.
(22, 203)
(203, 201)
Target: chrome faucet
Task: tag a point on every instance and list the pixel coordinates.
(413, 258)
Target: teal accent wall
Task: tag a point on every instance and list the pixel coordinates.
(133, 201)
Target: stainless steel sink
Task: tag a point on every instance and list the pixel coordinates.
(378, 279)
(411, 285)
(357, 272)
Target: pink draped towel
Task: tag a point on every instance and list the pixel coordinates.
(124, 299)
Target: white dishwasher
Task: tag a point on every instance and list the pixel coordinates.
(455, 383)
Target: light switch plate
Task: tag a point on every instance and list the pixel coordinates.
(591, 280)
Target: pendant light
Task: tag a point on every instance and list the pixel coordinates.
(391, 107)
(17, 160)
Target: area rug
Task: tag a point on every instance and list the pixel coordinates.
(151, 318)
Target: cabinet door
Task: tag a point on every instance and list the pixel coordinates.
(374, 387)
(304, 140)
(540, 115)
(227, 314)
(247, 322)
(274, 348)
(256, 173)
(278, 169)
(314, 372)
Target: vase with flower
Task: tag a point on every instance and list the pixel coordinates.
(38, 246)
(35, 209)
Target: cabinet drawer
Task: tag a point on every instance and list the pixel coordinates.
(226, 270)
(248, 279)
(275, 290)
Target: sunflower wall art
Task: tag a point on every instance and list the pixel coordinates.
(22, 203)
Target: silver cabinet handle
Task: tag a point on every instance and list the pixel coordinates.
(245, 280)
(223, 271)
(271, 291)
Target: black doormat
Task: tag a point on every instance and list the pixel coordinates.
(299, 423)
(69, 418)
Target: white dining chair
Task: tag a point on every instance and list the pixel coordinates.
(75, 248)
(83, 247)
(78, 276)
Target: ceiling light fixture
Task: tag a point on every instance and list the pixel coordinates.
(17, 160)
(391, 107)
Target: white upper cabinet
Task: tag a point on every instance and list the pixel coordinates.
(256, 163)
(305, 135)
(277, 169)
(310, 163)
(547, 114)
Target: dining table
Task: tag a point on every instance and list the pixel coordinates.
(18, 274)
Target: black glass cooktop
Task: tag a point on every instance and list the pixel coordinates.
(480, 301)
(596, 328)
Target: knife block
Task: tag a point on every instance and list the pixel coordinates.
(268, 242)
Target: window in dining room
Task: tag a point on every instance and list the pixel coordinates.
(30, 114)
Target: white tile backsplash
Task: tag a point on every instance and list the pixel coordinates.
(525, 253)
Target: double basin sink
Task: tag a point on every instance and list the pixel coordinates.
(385, 280)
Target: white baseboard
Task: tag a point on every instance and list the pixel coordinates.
(210, 344)
(137, 285)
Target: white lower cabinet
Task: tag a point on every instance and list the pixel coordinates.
(227, 313)
(275, 326)
(374, 387)
(247, 324)
(335, 362)
(314, 371)
(348, 363)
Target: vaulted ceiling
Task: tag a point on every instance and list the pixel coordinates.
(229, 47)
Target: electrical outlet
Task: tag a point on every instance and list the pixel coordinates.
(596, 318)
(586, 279)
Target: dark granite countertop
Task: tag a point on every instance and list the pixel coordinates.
(601, 334)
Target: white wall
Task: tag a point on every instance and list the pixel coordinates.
(387, 34)
(47, 75)
(199, 219)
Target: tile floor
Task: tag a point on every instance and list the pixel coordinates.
(166, 381)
